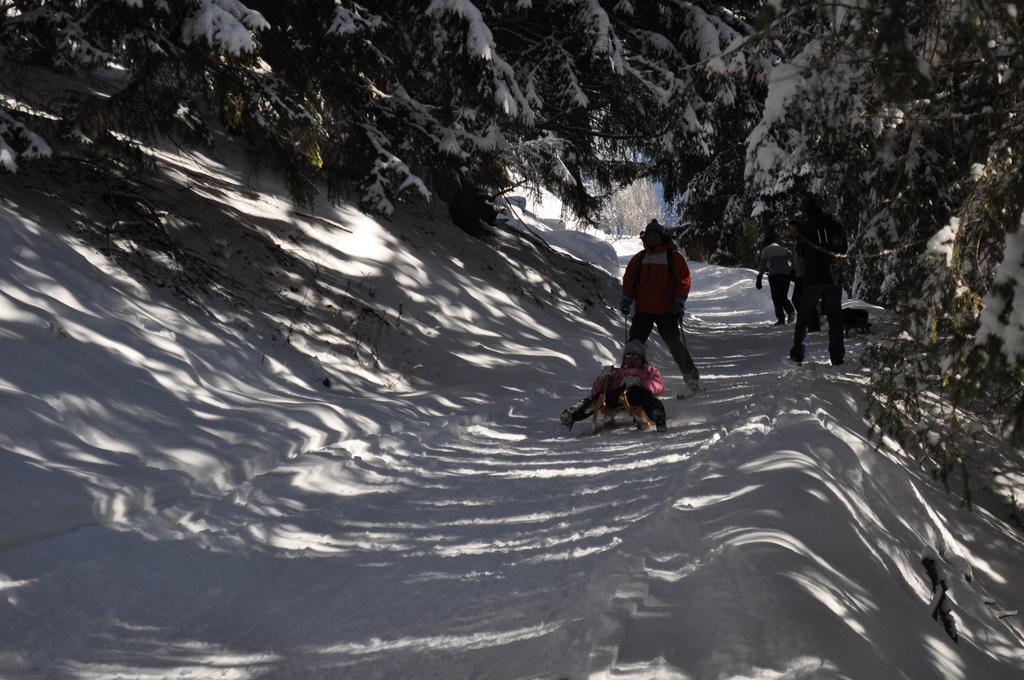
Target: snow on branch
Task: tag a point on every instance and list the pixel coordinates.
(75, 47)
(508, 95)
(703, 38)
(459, 138)
(657, 43)
(541, 161)
(417, 115)
(273, 99)
(558, 64)
(640, 68)
(943, 242)
(605, 42)
(227, 25)
(1002, 314)
(770, 153)
(708, 34)
(353, 19)
(656, 67)
(14, 135)
(479, 39)
(387, 167)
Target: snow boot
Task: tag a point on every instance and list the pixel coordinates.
(567, 419)
(690, 387)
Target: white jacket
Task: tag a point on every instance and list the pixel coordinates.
(776, 260)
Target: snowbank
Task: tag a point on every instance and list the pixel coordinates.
(588, 247)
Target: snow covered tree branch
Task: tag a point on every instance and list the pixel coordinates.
(18, 141)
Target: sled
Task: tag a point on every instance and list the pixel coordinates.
(605, 413)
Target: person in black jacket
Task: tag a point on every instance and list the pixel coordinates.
(821, 244)
(813, 322)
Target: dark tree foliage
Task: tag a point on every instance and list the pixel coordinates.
(395, 100)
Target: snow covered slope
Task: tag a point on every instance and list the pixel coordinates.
(349, 466)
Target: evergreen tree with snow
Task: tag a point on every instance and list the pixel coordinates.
(903, 116)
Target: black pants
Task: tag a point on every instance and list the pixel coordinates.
(813, 322)
(636, 395)
(831, 297)
(779, 285)
(668, 329)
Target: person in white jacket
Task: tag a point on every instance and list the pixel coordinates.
(778, 262)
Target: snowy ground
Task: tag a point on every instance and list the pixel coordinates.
(183, 499)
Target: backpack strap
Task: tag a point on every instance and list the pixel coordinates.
(639, 263)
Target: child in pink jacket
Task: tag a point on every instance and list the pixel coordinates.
(640, 381)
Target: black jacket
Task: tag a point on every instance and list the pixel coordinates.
(819, 240)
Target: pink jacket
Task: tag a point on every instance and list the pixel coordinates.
(650, 379)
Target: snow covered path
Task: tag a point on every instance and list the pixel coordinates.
(440, 553)
(760, 537)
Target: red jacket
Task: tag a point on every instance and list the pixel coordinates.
(656, 291)
(650, 378)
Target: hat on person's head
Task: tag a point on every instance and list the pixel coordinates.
(636, 347)
(654, 227)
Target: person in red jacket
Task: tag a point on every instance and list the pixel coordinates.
(657, 281)
(640, 381)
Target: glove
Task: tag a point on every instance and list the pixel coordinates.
(680, 306)
(627, 302)
(757, 284)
